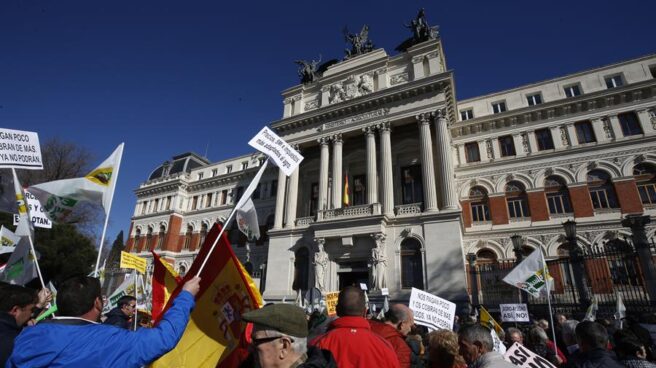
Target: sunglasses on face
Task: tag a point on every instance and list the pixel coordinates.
(263, 340)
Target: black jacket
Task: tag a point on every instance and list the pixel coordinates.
(117, 318)
(8, 332)
(318, 358)
(597, 358)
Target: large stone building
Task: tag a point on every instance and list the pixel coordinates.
(429, 179)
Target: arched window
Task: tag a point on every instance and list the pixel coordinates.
(479, 205)
(412, 270)
(203, 234)
(160, 237)
(149, 238)
(137, 238)
(601, 189)
(187, 240)
(645, 176)
(485, 256)
(557, 195)
(301, 267)
(517, 201)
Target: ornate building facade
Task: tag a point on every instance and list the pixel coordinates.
(429, 179)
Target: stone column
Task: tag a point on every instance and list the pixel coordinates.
(280, 199)
(598, 128)
(482, 151)
(532, 142)
(372, 176)
(647, 121)
(615, 126)
(496, 150)
(292, 198)
(447, 190)
(571, 132)
(427, 168)
(556, 136)
(462, 154)
(386, 174)
(323, 174)
(337, 170)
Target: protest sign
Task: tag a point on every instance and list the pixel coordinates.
(285, 156)
(384, 291)
(432, 311)
(331, 302)
(37, 212)
(133, 262)
(20, 149)
(519, 355)
(514, 312)
(363, 286)
(126, 288)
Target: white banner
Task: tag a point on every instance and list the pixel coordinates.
(514, 313)
(519, 355)
(285, 156)
(432, 311)
(20, 149)
(37, 212)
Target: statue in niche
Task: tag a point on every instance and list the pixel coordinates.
(360, 42)
(307, 71)
(379, 259)
(320, 264)
(366, 84)
(337, 93)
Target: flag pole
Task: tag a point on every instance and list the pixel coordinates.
(136, 300)
(114, 179)
(553, 328)
(36, 262)
(247, 194)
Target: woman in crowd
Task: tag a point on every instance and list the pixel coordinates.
(443, 350)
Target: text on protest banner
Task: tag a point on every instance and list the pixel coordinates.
(514, 313)
(285, 156)
(432, 311)
(519, 355)
(20, 149)
(133, 262)
(331, 302)
(37, 212)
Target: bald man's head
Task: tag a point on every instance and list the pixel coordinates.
(401, 317)
(351, 302)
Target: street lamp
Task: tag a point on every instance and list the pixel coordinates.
(517, 243)
(570, 231)
(578, 266)
(473, 280)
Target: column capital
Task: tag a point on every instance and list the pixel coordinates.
(440, 114)
(379, 238)
(385, 126)
(336, 138)
(323, 140)
(320, 243)
(370, 129)
(424, 118)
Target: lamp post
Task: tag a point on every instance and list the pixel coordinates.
(578, 267)
(473, 280)
(637, 224)
(517, 242)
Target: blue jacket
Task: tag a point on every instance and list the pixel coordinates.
(76, 343)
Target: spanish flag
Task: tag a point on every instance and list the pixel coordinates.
(226, 292)
(489, 322)
(347, 198)
(164, 282)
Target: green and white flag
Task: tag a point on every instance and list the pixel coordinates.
(247, 220)
(20, 268)
(59, 197)
(530, 275)
(8, 240)
(591, 312)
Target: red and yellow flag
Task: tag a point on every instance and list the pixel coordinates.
(226, 292)
(347, 198)
(165, 280)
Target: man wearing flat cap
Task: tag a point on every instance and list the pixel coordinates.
(279, 339)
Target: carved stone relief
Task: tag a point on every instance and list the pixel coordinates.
(350, 88)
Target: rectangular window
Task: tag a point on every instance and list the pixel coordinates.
(558, 203)
(507, 146)
(534, 99)
(208, 200)
(480, 212)
(573, 90)
(652, 70)
(200, 176)
(224, 196)
(244, 165)
(517, 208)
(584, 132)
(156, 206)
(359, 190)
(412, 190)
(647, 193)
(239, 191)
(168, 203)
(545, 141)
(273, 188)
(194, 203)
(599, 198)
(314, 198)
(614, 81)
(630, 124)
(144, 205)
(215, 172)
(472, 153)
(228, 169)
(466, 114)
(499, 107)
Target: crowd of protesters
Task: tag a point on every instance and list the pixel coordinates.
(284, 335)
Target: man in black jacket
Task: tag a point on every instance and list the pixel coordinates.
(592, 339)
(120, 316)
(16, 305)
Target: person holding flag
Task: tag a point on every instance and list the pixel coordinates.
(75, 339)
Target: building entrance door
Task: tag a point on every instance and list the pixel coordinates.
(353, 273)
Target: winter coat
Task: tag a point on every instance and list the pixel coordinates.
(75, 342)
(597, 358)
(491, 359)
(394, 337)
(318, 358)
(353, 344)
(8, 332)
(116, 317)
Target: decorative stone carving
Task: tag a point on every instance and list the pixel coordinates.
(525, 142)
(380, 71)
(417, 59)
(652, 117)
(336, 137)
(360, 42)
(398, 78)
(350, 88)
(379, 259)
(488, 148)
(307, 70)
(311, 105)
(287, 100)
(607, 128)
(563, 136)
(320, 264)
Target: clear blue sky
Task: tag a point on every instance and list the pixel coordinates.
(167, 77)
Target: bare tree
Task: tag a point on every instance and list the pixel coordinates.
(61, 160)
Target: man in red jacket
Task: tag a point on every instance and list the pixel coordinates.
(350, 339)
(399, 320)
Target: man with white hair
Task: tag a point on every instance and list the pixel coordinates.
(279, 339)
(476, 347)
